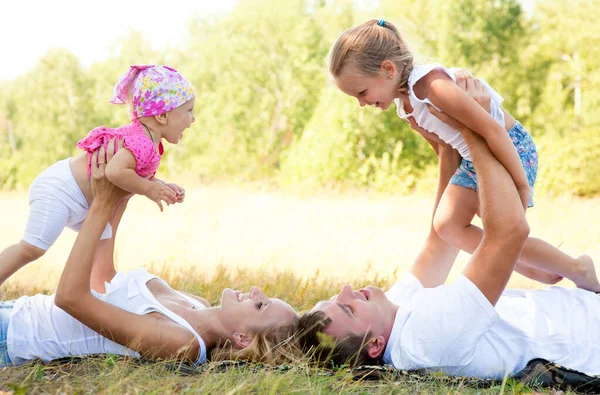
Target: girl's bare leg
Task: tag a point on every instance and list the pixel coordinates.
(453, 223)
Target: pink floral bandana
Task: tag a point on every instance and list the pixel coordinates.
(155, 90)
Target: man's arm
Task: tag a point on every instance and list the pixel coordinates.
(435, 260)
(504, 223)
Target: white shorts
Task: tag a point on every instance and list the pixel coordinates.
(56, 201)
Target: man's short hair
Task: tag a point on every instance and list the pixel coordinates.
(350, 350)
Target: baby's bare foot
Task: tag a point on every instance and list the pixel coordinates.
(587, 279)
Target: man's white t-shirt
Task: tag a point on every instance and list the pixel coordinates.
(453, 328)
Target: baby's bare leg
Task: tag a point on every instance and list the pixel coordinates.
(15, 257)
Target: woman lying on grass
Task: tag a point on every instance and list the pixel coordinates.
(140, 315)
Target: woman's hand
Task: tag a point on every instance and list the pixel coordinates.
(106, 194)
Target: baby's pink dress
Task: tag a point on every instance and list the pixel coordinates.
(147, 158)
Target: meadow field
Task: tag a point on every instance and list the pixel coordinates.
(298, 246)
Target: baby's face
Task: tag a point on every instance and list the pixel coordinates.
(180, 119)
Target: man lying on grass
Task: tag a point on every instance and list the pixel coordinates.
(473, 327)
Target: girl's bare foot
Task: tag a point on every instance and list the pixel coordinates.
(587, 278)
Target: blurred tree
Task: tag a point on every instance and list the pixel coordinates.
(129, 50)
(258, 93)
(567, 41)
(265, 108)
(48, 112)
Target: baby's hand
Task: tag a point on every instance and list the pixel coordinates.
(159, 192)
(179, 191)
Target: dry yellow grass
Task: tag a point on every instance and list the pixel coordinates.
(278, 238)
(340, 235)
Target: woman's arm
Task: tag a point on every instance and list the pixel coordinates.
(104, 263)
(121, 172)
(149, 336)
(439, 88)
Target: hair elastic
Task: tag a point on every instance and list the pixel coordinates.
(380, 22)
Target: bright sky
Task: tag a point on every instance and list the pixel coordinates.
(88, 29)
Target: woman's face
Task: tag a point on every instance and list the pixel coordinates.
(251, 311)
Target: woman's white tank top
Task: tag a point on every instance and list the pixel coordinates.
(39, 329)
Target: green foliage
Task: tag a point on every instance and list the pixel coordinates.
(264, 107)
(259, 92)
(363, 148)
(45, 112)
(569, 164)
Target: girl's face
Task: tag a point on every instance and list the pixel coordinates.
(379, 91)
(180, 119)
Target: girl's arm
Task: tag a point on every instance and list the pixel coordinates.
(149, 336)
(439, 88)
(121, 172)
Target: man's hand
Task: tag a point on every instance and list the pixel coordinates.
(473, 87)
(432, 138)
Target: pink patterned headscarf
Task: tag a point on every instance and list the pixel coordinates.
(155, 90)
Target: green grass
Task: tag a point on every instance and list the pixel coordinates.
(124, 376)
(301, 248)
(113, 374)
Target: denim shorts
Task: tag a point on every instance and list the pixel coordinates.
(465, 174)
(5, 311)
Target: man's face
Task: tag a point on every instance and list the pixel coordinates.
(358, 312)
